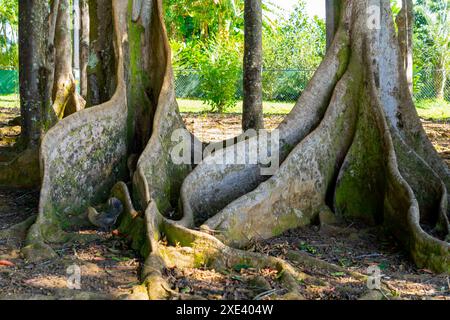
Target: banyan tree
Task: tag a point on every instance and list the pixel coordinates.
(352, 148)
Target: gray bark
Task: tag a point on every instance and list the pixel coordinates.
(405, 23)
(84, 47)
(332, 19)
(253, 104)
(101, 67)
(66, 100)
(33, 72)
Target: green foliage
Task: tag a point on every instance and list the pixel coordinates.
(220, 70)
(190, 20)
(293, 43)
(432, 34)
(297, 43)
(8, 33)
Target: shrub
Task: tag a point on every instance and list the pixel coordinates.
(220, 72)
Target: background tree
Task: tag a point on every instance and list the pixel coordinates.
(8, 33)
(84, 47)
(252, 117)
(66, 99)
(405, 24)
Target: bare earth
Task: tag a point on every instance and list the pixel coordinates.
(109, 268)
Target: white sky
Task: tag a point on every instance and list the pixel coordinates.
(313, 7)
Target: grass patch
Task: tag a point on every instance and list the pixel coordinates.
(198, 106)
(433, 109)
(9, 101)
(428, 109)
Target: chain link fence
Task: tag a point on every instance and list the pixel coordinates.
(287, 85)
(431, 84)
(9, 81)
(278, 85)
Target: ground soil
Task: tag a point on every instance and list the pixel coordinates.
(109, 268)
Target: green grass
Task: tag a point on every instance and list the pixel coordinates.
(433, 109)
(427, 109)
(9, 101)
(198, 106)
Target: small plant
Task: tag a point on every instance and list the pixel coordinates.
(220, 72)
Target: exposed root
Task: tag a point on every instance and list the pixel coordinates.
(297, 193)
(16, 234)
(22, 171)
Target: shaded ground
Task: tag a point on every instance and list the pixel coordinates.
(354, 248)
(109, 268)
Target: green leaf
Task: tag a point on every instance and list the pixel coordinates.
(240, 267)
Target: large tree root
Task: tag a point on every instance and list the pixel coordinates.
(390, 174)
(82, 157)
(212, 186)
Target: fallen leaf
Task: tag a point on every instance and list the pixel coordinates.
(6, 263)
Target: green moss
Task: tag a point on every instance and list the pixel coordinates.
(360, 190)
(344, 58)
(136, 231)
(289, 221)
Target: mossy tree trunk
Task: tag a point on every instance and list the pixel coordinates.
(33, 33)
(19, 166)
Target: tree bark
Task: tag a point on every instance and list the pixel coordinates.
(84, 47)
(252, 117)
(440, 80)
(405, 24)
(332, 19)
(101, 67)
(34, 101)
(66, 100)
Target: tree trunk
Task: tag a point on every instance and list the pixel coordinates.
(101, 67)
(405, 24)
(33, 73)
(332, 19)
(66, 100)
(252, 117)
(440, 80)
(84, 47)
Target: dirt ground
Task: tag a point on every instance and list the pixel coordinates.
(109, 268)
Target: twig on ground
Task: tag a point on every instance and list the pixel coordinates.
(369, 255)
(266, 294)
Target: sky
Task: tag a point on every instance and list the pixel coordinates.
(313, 7)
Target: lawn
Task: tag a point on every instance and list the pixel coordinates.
(198, 106)
(427, 109)
(9, 101)
(433, 109)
